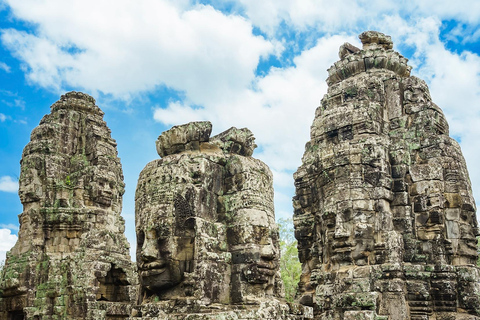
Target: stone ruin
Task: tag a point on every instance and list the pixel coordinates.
(384, 212)
(72, 258)
(207, 241)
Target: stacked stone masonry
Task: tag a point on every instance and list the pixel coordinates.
(72, 258)
(207, 241)
(384, 213)
(208, 244)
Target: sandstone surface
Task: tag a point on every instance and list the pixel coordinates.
(71, 260)
(384, 212)
(208, 244)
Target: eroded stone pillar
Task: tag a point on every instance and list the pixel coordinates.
(384, 213)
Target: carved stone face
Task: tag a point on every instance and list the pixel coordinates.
(103, 190)
(263, 262)
(163, 256)
(254, 246)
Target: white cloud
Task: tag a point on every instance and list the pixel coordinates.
(176, 111)
(336, 16)
(466, 10)
(283, 178)
(135, 46)
(7, 184)
(7, 240)
(279, 108)
(10, 226)
(11, 99)
(19, 103)
(301, 14)
(2, 117)
(4, 67)
(211, 57)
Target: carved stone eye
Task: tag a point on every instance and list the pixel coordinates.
(140, 238)
(162, 244)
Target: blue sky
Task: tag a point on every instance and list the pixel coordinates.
(151, 64)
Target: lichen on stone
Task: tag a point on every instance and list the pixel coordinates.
(384, 213)
(71, 252)
(208, 244)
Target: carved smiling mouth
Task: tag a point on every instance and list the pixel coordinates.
(260, 272)
(266, 268)
(153, 268)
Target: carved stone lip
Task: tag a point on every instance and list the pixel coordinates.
(152, 272)
(266, 268)
(153, 267)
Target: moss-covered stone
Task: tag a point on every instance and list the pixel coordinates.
(71, 232)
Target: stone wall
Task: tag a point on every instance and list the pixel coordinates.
(384, 212)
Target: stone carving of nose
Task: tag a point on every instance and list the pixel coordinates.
(149, 249)
(268, 252)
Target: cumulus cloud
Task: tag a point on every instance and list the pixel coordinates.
(278, 107)
(178, 112)
(7, 184)
(7, 240)
(10, 226)
(331, 15)
(211, 58)
(134, 46)
(335, 16)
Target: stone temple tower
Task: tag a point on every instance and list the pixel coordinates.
(384, 213)
(71, 260)
(207, 241)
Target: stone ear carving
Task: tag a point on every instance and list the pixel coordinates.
(183, 211)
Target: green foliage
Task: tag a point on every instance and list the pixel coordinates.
(478, 251)
(350, 92)
(290, 267)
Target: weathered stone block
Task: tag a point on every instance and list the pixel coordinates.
(183, 138)
(71, 250)
(359, 315)
(397, 157)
